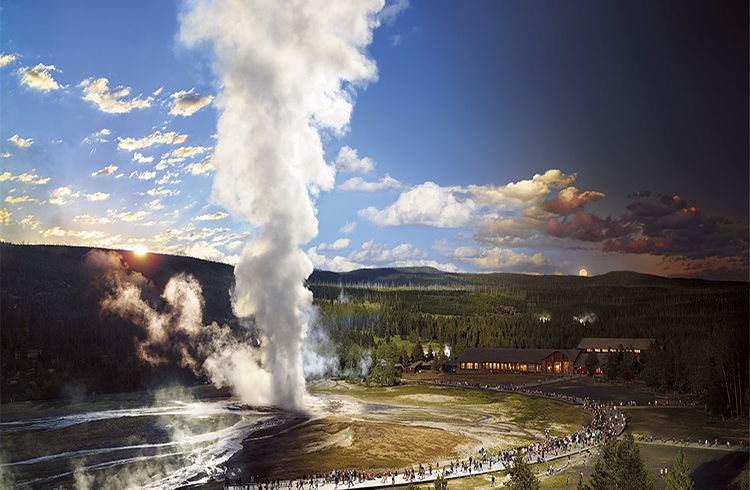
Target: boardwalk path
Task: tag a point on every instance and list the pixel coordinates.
(401, 480)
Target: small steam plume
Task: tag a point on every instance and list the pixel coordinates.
(447, 350)
(586, 317)
(227, 358)
(287, 75)
(544, 317)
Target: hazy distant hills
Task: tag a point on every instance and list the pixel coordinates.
(53, 334)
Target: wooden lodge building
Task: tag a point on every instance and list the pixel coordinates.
(553, 361)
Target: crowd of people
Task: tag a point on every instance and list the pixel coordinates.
(607, 421)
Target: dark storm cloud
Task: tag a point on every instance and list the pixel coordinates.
(662, 226)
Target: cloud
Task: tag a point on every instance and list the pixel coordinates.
(373, 252)
(112, 101)
(25, 178)
(29, 221)
(392, 10)
(87, 219)
(6, 155)
(427, 204)
(211, 217)
(108, 170)
(56, 231)
(357, 184)
(39, 77)
(348, 162)
(187, 103)
(339, 244)
(58, 196)
(514, 195)
(206, 251)
(138, 157)
(6, 59)
(377, 254)
(500, 259)
(189, 151)
(156, 138)
(127, 216)
(201, 168)
(161, 191)
(5, 216)
(570, 199)
(19, 199)
(97, 196)
(395, 39)
(348, 227)
(20, 142)
(145, 175)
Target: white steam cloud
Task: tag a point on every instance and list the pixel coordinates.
(586, 317)
(287, 73)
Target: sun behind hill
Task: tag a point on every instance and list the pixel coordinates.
(140, 250)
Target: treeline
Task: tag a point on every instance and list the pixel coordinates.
(700, 327)
(54, 340)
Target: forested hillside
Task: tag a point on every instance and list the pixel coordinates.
(56, 340)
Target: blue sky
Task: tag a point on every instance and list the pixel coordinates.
(534, 137)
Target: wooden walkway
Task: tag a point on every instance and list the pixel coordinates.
(400, 480)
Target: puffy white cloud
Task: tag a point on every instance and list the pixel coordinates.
(140, 158)
(161, 191)
(204, 250)
(211, 217)
(348, 227)
(25, 178)
(20, 142)
(108, 170)
(6, 155)
(87, 219)
(523, 193)
(358, 184)
(97, 196)
(156, 138)
(58, 196)
(169, 178)
(392, 10)
(127, 216)
(19, 199)
(6, 59)
(156, 205)
(39, 77)
(188, 103)
(348, 162)
(372, 251)
(233, 246)
(56, 231)
(29, 221)
(426, 204)
(499, 259)
(145, 175)
(377, 254)
(112, 101)
(189, 151)
(201, 168)
(339, 244)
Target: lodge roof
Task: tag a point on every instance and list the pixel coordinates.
(613, 343)
(523, 356)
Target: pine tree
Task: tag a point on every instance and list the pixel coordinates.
(440, 483)
(521, 476)
(679, 478)
(620, 467)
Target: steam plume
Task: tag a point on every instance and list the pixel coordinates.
(287, 74)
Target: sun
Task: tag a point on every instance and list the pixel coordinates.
(583, 273)
(140, 250)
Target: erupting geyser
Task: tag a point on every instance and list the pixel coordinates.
(287, 73)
